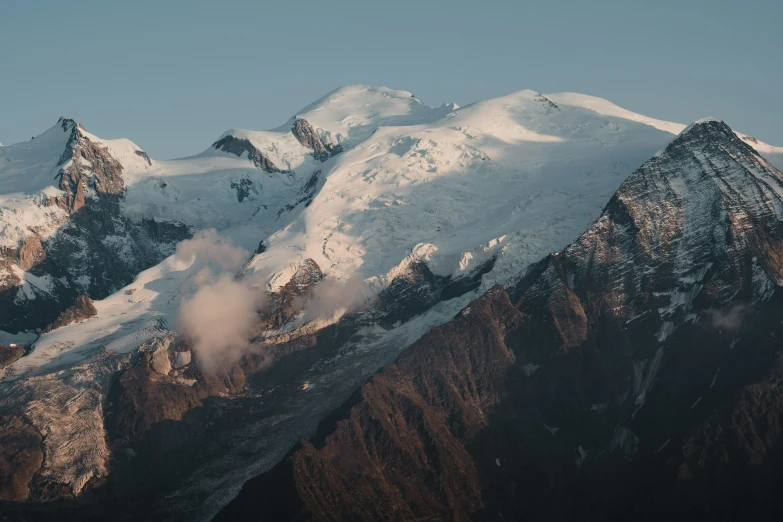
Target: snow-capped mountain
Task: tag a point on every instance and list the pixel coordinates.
(363, 222)
(639, 366)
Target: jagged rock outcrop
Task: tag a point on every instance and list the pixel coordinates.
(85, 166)
(239, 146)
(142, 397)
(305, 194)
(418, 413)
(307, 136)
(145, 156)
(81, 309)
(243, 187)
(546, 102)
(416, 289)
(291, 298)
(31, 253)
(638, 367)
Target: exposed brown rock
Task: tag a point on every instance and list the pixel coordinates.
(86, 165)
(31, 253)
(8, 279)
(80, 310)
(742, 435)
(400, 454)
(155, 390)
(141, 398)
(566, 311)
(20, 457)
(9, 354)
(104, 266)
(307, 136)
(85, 168)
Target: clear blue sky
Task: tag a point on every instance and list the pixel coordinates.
(173, 75)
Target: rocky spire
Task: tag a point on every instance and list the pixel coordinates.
(86, 166)
(307, 136)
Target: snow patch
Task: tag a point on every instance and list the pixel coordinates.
(530, 368)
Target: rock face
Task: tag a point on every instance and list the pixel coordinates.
(239, 146)
(632, 375)
(85, 166)
(31, 253)
(243, 187)
(417, 289)
(20, 457)
(142, 397)
(289, 300)
(307, 136)
(144, 155)
(80, 310)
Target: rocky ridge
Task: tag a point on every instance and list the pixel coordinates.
(240, 146)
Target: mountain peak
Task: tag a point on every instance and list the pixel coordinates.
(360, 91)
(67, 124)
(707, 130)
(700, 125)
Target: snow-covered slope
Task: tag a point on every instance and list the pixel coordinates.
(438, 188)
(608, 108)
(27, 173)
(771, 153)
(515, 177)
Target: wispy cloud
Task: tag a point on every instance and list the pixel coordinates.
(728, 319)
(219, 317)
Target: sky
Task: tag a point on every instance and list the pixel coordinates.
(174, 75)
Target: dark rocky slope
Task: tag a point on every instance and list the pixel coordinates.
(632, 376)
(167, 422)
